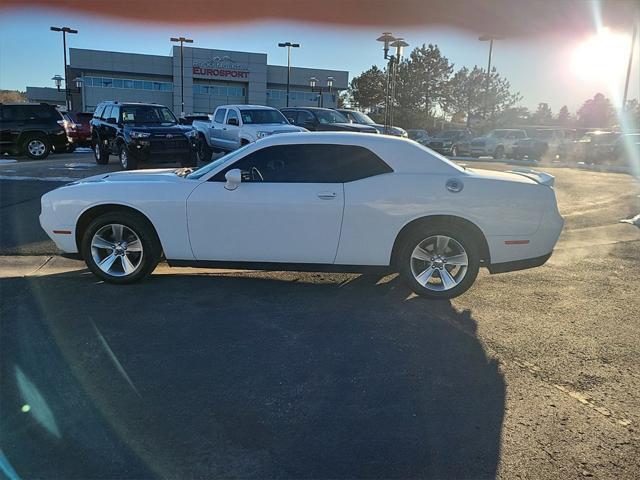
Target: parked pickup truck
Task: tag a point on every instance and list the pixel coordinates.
(232, 126)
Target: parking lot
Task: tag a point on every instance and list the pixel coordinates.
(225, 373)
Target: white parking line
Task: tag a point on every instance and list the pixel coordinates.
(4, 161)
(41, 179)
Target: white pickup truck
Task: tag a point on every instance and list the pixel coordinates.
(232, 126)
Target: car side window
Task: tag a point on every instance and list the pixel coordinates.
(115, 113)
(219, 117)
(308, 163)
(291, 116)
(98, 111)
(107, 112)
(305, 117)
(233, 114)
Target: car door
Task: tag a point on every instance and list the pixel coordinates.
(307, 120)
(231, 130)
(216, 131)
(288, 208)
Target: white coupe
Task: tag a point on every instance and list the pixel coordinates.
(312, 201)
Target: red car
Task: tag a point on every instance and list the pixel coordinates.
(78, 129)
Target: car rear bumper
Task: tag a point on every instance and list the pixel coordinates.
(519, 264)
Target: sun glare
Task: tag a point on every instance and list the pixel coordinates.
(601, 57)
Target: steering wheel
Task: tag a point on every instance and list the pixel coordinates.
(255, 174)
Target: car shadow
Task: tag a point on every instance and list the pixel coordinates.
(248, 375)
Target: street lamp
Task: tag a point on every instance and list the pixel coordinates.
(312, 83)
(289, 46)
(399, 45)
(182, 41)
(490, 39)
(64, 31)
(58, 81)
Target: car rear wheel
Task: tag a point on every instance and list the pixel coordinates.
(100, 153)
(439, 261)
(120, 247)
(127, 161)
(37, 147)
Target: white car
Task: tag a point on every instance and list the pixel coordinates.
(232, 126)
(312, 201)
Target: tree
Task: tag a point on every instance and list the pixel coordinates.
(564, 117)
(596, 112)
(513, 116)
(543, 115)
(467, 93)
(422, 84)
(367, 90)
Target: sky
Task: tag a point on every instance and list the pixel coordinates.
(551, 69)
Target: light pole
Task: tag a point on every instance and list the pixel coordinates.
(386, 38)
(490, 39)
(399, 45)
(289, 46)
(182, 41)
(64, 31)
(312, 83)
(630, 64)
(329, 85)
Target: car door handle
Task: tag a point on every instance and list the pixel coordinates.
(327, 195)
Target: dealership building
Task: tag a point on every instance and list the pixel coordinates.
(211, 78)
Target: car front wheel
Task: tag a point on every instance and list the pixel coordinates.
(100, 153)
(120, 247)
(439, 261)
(127, 161)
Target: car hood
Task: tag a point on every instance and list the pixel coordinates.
(151, 175)
(517, 175)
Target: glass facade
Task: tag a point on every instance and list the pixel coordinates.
(107, 82)
(218, 91)
(273, 94)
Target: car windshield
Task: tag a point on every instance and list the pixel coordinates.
(363, 118)
(147, 115)
(543, 134)
(498, 133)
(209, 167)
(261, 116)
(449, 134)
(330, 116)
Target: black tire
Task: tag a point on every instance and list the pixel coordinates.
(498, 153)
(71, 148)
(203, 151)
(36, 146)
(127, 161)
(464, 239)
(149, 256)
(454, 151)
(100, 154)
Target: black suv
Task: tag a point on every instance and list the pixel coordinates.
(323, 120)
(34, 129)
(138, 132)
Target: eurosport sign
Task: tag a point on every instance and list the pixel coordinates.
(222, 67)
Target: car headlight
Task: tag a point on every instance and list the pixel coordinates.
(192, 134)
(139, 134)
(263, 134)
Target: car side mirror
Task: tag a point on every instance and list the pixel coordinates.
(232, 121)
(112, 120)
(234, 179)
(182, 121)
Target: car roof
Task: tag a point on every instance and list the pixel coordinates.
(252, 107)
(309, 108)
(403, 155)
(150, 104)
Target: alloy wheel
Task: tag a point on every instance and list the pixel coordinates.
(116, 250)
(439, 263)
(36, 147)
(124, 158)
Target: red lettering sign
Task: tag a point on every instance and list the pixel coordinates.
(217, 72)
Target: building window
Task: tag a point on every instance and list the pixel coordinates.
(106, 82)
(218, 91)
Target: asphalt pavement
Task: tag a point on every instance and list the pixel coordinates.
(221, 373)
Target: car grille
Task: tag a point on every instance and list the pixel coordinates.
(161, 143)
